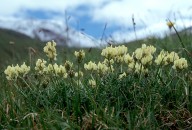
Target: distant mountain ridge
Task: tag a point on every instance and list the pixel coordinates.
(45, 30)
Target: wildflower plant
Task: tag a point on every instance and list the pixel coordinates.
(165, 58)
(68, 65)
(80, 55)
(180, 64)
(102, 69)
(90, 66)
(41, 66)
(144, 55)
(122, 75)
(12, 72)
(92, 83)
(50, 50)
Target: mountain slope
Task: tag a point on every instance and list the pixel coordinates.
(46, 30)
(15, 46)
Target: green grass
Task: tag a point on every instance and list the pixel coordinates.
(157, 100)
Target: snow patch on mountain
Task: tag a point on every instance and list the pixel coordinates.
(47, 30)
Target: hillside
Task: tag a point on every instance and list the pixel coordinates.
(169, 42)
(15, 46)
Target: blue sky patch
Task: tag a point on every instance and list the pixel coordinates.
(37, 14)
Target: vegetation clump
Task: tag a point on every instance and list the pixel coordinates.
(123, 90)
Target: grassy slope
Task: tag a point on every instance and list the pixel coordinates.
(18, 52)
(169, 42)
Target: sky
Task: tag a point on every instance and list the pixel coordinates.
(109, 19)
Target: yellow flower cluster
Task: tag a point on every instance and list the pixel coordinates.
(145, 54)
(130, 61)
(80, 55)
(112, 52)
(92, 83)
(68, 65)
(140, 69)
(12, 72)
(40, 66)
(57, 70)
(80, 74)
(165, 58)
(121, 50)
(50, 50)
(101, 68)
(138, 63)
(24, 69)
(108, 62)
(90, 66)
(172, 57)
(180, 64)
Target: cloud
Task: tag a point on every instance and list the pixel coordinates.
(149, 11)
(149, 15)
(9, 7)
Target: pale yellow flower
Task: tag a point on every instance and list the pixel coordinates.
(131, 66)
(53, 69)
(147, 59)
(148, 49)
(90, 66)
(80, 74)
(121, 50)
(41, 66)
(92, 83)
(180, 64)
(109, 52)
(80, 55)
(165, 58)
(122, 75)
(102, 68)
(161, 59)
(128, 59)
(172, 57)
(24, 69)
(68, 65)
(119, 59)
(116, 53)
(138, 53)
(139, 68)
(62, 71)
(57, 70)
(170, 24)
(50, 50)
(11, 73)
(108, 62)
(145, 54)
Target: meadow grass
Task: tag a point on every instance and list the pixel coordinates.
(104, 97)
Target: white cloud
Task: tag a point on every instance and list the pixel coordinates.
(150, 11)
(150, 16)
(9, 7)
